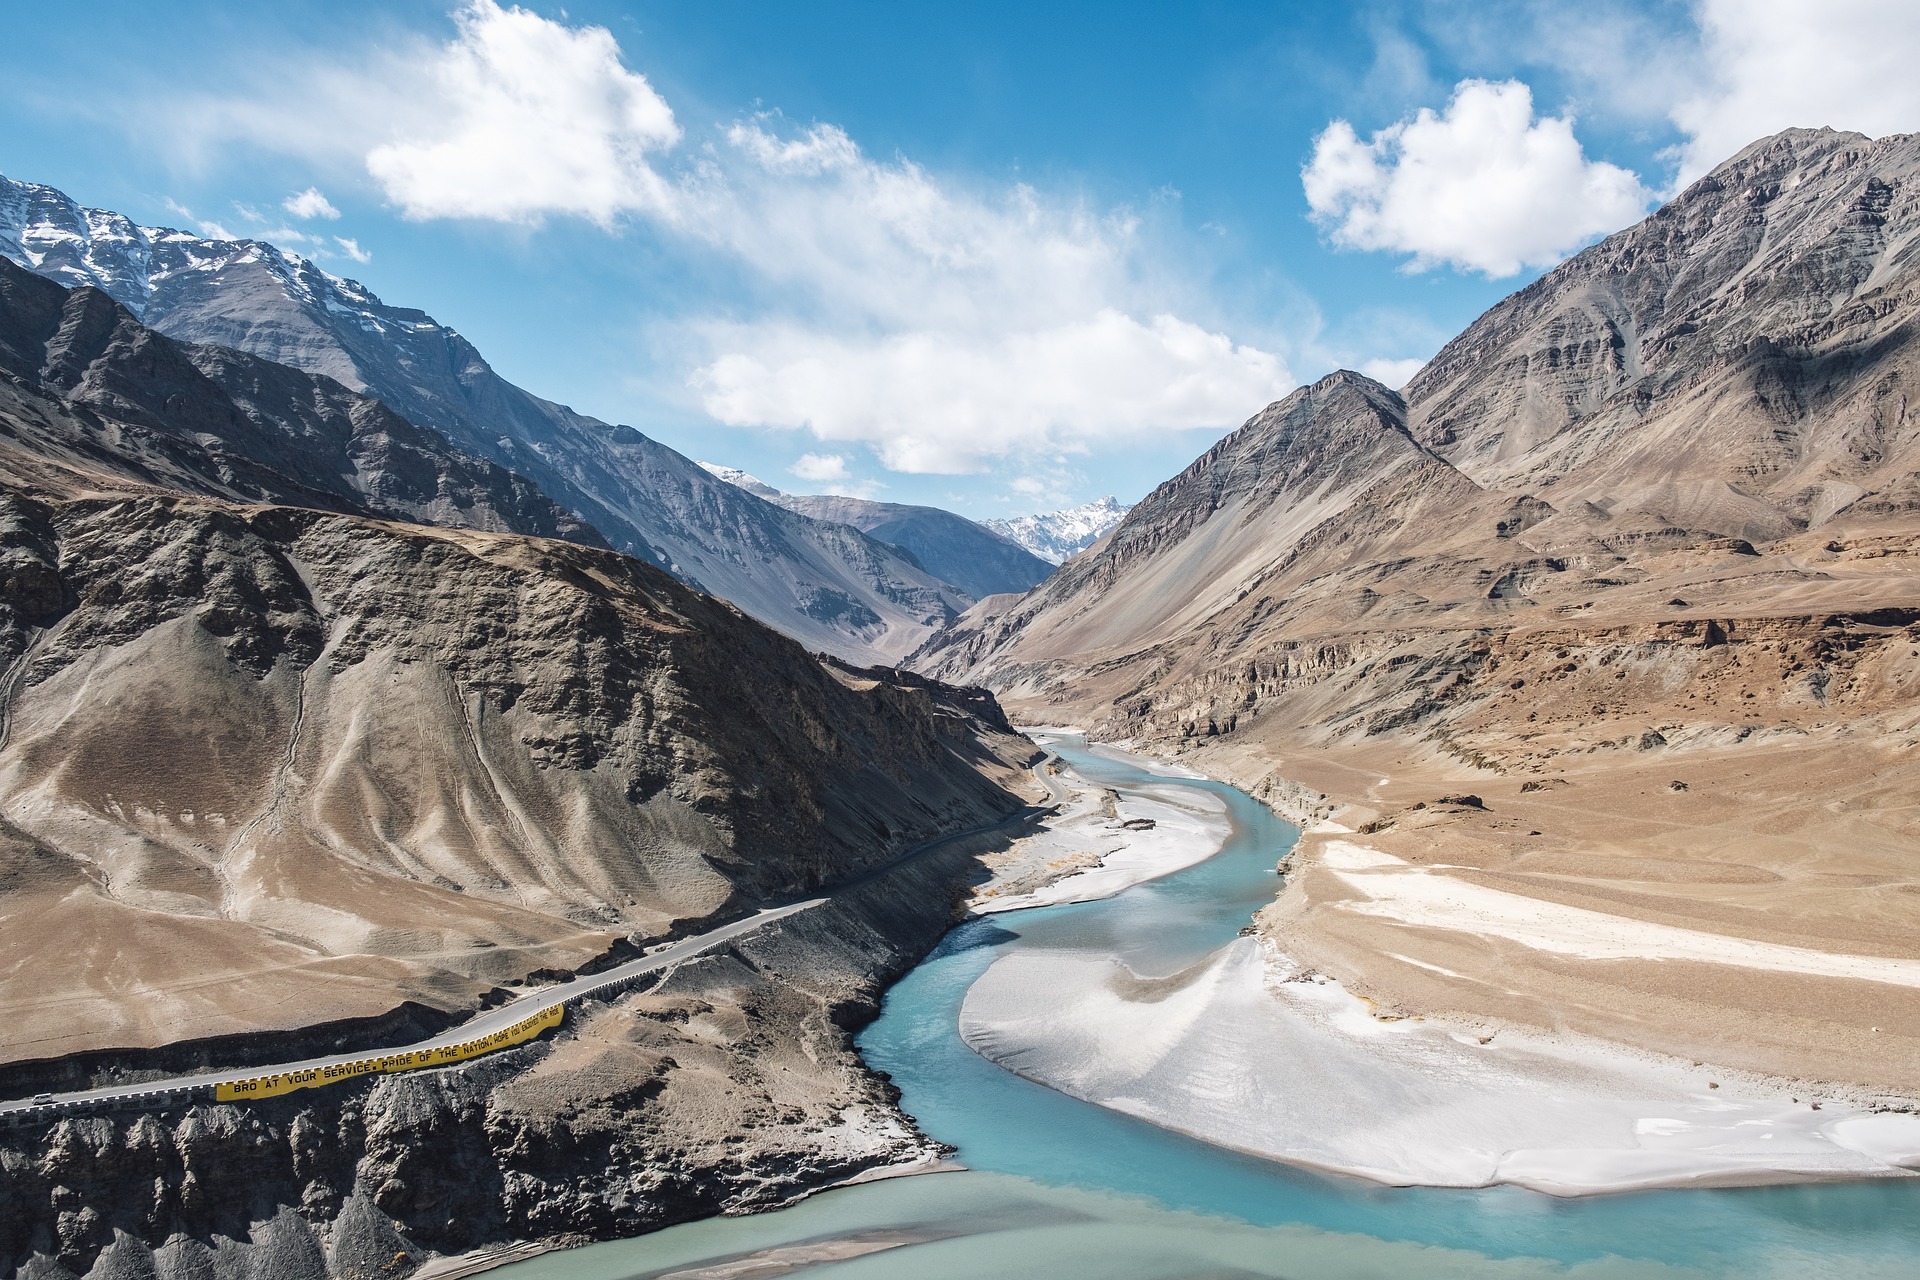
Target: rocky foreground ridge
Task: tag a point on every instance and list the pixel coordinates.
(319, 732)
(1630, 565)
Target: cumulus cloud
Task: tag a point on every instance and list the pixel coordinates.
(951, 401)
(949, 328)
(821, 468)
(1778, 64)
(942, 324)
(1484, 186)
(534, 117)
(310, 204)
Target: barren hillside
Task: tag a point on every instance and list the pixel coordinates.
(1632, 566)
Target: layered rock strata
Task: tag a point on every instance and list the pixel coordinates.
(278, 762)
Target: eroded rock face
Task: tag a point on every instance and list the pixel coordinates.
(373, 763)
(729, 1085)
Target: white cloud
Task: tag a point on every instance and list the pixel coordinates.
(948, 402)
(352, 249)
(309, 204)
(1392, 373)
(1484, 186)
(1778, 64)
(946, 328)
(941, 324)
(534, 117)
(821, 468)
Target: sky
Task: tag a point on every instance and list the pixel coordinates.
(996, 257)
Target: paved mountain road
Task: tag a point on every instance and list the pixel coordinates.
(527, 1005)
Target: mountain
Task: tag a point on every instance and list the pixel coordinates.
(826, 585)
(1057, 535)
(1612, 619)
(314, 739)
(93, 398)
(739, 479)
(953, 548)
(1731, 364)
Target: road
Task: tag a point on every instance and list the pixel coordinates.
(162, 1092)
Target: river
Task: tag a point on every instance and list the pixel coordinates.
(1060, 1189)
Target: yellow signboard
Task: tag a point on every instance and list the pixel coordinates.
(270, 1086)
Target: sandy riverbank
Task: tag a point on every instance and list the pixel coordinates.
(1102, 842)
(1251, 1050)
(1247, 1051)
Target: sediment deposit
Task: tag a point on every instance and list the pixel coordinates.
(1611, 611)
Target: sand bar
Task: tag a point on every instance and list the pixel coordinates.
(1245, 1052)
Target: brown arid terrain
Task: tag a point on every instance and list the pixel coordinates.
(1591, 659)
(286, 771)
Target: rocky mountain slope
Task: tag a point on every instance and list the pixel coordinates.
(93, 398)
(1055, 535)
(282, 767)
(831, 588)
(1615, 613)
(953, 548)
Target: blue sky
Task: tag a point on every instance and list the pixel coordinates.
(998, 257)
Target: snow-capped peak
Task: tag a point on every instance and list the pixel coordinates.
(1054, 536)
(741, 480)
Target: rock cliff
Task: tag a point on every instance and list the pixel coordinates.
(282, 764)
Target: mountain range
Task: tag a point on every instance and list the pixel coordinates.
(1628, 564)
(346, 689)
(1056, 535)
(827, 585)
(973, 557)
(318, 734)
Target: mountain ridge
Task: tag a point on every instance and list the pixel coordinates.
(973, 557)
(311, 733)
(831, 587)
(1613, 609)
(1055, 536)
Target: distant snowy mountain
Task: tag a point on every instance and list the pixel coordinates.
(825, 584)
(1057, 535)
(978, 560)
(739, 479)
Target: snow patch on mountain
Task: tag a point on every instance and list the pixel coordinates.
(741, 480)
(1055, 536)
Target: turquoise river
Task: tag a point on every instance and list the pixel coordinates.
(1059, 1189)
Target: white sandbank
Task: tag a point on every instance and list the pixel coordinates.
(1427, 896)
(1085, 853)
(1245, 1052)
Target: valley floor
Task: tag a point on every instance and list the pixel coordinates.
(1253, 1049)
